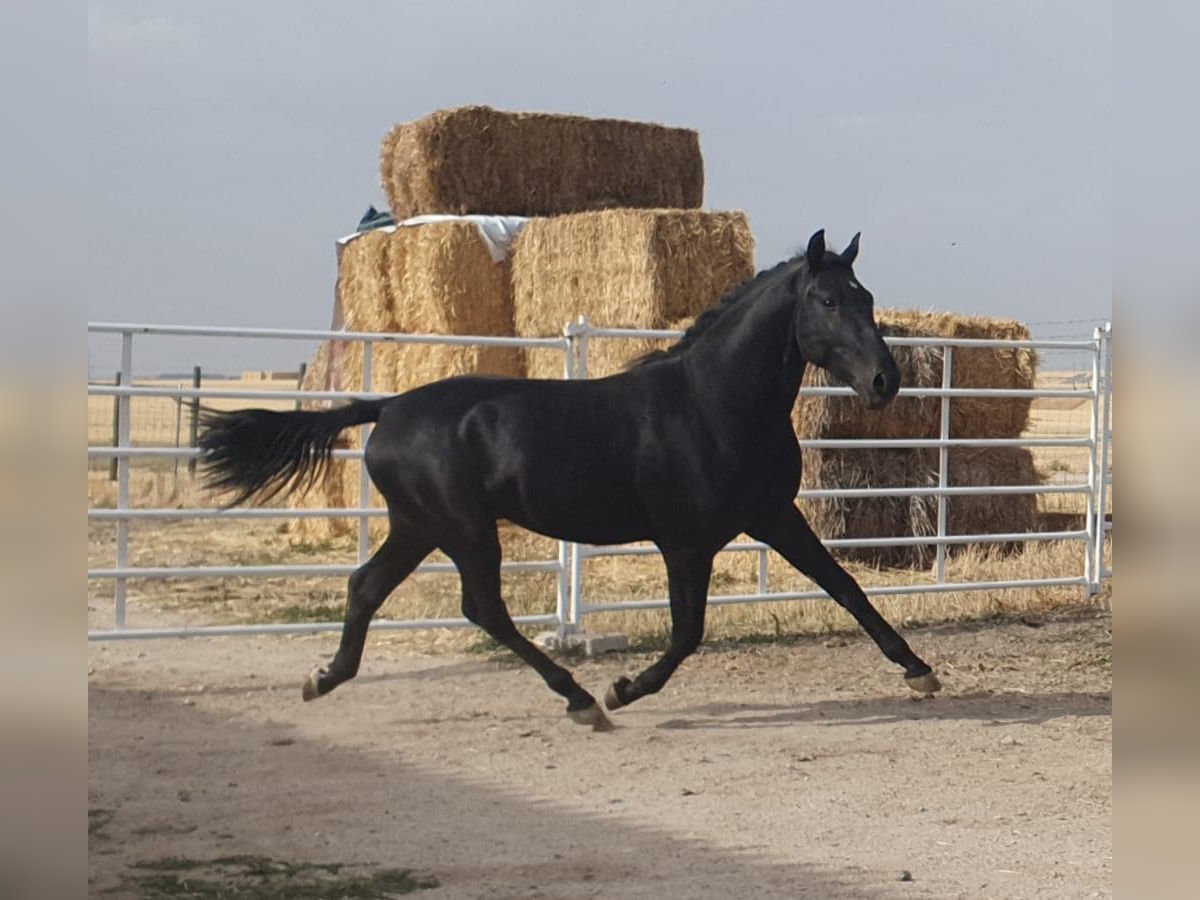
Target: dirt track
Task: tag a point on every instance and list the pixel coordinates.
(771, 770)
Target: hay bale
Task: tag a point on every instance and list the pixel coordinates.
(606, 356)
(915, 417)
(365, 297)
(316, 373)
(612, 355)
(982, 367)
(445, 282)
(430, 279)
(338, 486)
(476, 159)
(625, 268)
(411, 365)
(847, 417)
(916, 516)
(327, 491)
(362, 286)
(992, 513)
(874, 516)
(435, 279)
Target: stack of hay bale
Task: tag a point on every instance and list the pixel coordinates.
(614, 234)
(914, 417)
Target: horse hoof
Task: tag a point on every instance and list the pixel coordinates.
(592, 715)
(611, 698)
(311, 691)
(924, 684)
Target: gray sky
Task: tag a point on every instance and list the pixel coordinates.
(231, 142)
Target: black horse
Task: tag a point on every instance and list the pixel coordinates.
(687, 448)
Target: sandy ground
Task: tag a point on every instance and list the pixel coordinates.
(795, 769)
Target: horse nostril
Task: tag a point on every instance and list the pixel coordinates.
(880, 384)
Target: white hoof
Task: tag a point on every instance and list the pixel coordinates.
(593, 716)
(310, 690)
(611, 700)
(924, 684)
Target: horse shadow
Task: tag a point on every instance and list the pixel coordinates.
(989, 708)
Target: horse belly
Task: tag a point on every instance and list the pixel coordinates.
(575, 505)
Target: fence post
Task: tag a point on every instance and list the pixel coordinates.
(566, 550)
(570, 612)
(944, 464)
(116, 431)
(364, 479)
(1105, 427)
(1090, 566)
(123, 442)
(300, 380)
(178, 431)
(194, 427)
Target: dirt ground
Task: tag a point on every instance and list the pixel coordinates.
(798, 768)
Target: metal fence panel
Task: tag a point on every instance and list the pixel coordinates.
(568, 563)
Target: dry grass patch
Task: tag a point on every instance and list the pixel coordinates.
(430, 595)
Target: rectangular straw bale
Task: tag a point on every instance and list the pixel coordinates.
(436, 278)
(316, 373)
(350, 373)
(980, 367)
(328, 490)
(445, 282)
(476, 159)
(992, 513)
(914, 516)
(365, 295)
(412, 365)
(847, 417)
(326, 493)
(916, 417)
(363, 289)
(608, 356)
(872, 517)
(338, 486)
(624, 268)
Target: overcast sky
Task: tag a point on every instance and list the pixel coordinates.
(232, 142)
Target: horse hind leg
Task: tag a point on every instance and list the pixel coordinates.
(369, 586)
(688, 574)
(479, 568)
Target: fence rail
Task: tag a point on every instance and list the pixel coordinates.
(571, 602)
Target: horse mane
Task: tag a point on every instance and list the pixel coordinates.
(709, 317)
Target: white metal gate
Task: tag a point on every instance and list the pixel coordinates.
(572, 606)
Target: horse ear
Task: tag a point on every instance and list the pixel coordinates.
(851, 251)
(815, 254)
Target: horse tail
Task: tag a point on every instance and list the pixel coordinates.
(260, 453)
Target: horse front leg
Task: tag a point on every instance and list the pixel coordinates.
(790, 535)
(688, 574)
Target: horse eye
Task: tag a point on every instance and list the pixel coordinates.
(829, 302)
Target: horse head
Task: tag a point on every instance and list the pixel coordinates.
(834, 323)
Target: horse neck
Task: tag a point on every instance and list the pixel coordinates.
(750, 361)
